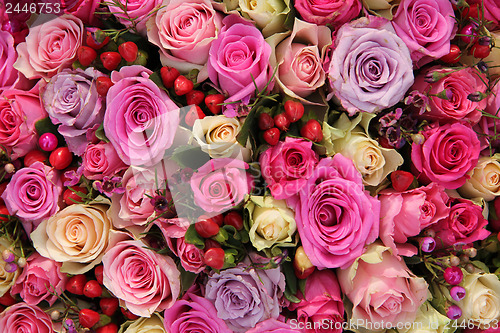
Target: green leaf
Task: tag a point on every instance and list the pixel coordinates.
(187, 278)
(156, 78)
(190, 157)
(302, 286)
(45, 126)
(192, 237)
(249, 123)
(100, 134)
(290, 278)
(290, 296)
(481, 265)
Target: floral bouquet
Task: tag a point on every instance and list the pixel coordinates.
(249, 166)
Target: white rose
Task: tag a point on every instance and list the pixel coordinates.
(6, 279)
(268, 15)
(429, 320)
(484, 181)
(154, 324)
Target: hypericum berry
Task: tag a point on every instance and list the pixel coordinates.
(265, 121)
(469, 33)
(4, 213)
(182, 85)
(235, 219)
(427, 244)
(214, 257)
(168, 76)
(480, 51)
(194, 113)
(302, 266)
(102, 85)
(282, 122)
(210, 243)
(109, 328)
(109, 305)
(76, 284)
(8, 256)
(470, 252)
(98, 273)
(454, 312)
(457, 293)
(111, 60)
(47, 141)
(88, 318)
(71, 196)
(195, 97)
(272, 136)
(34, 156)
(214, 103)
(9, 168)
(453, 56)
(206, 228)
(294, 110)
(219, 219)
(312, 131)
(129, 315)
(55, 315)
(453, 275)
(128, 51)
(96, 39)
(86, 55)
(22, 262)
(61, 158)
(92, 289)
(401, 180)
(454, 260)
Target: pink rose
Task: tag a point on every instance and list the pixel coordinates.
(382, 289)
(184, 31)
(322, 301)
(447, 154)
(50, 47)
(239, 59)
(140, 10)
(335, 216)
(273, 325)
(101, 160)
(491, 11)
(287, 166)
(85, 10)
(406, 214)
(333, 12)
(489, 127)
(22, 317)
(140, 119)
(426, 27)
(9, 76)
(458, 85)
(143, 280)
(40, 280)
(33, 194)
(19, 111)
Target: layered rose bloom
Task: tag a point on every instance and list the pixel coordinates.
(85, 10)
(142, 279)
(139, 116)
(22, 317)
(140, 10)
(489, 125)
(446, 155)
(72, 102)
(153, 324)
(484, 181)
(268, 15)
(50, 47)
(370, 66)
(333, 12)
(9, 76)
(33, 194)
(101, 160)
(426, 27)
(335, 216)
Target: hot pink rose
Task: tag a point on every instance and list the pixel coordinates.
(50, 47)
(22, 317)
(458, 85)
(19, 111)
(85, 10)
(426, 27)
(140, 10)
(142, 279)
(322, 301)
(323, 12)
(490, 126)
(287, 166)
(184, 31)
(33, 194)
(491, 11)
(40, 280)
(101, 160)
(447, 154)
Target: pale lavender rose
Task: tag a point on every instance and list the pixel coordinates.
(41, 280)
(72, 102)
(239, 59)
(184, 31)
(287, 166)
(244, 296)
(333, 12)
(272, 325)
(370, 68)
(84, 10)
(426, 27)
(140, 10)
(22, 317)
(140, 119)
(220, 184)
(335, 216)
(194, 314)
(100, 160)
(33, 194)
(144, 280)
(50, 47)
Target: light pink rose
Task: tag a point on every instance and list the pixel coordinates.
(9, 76)
(40, 280)
(19, 111)
(50, 47)
(323, 12)
(184, 31)
(22, 317)
(382, 288)
(447, 154)
(426, 27)
(84, 10)
(143, 280)
(101, 160)
(140, 10)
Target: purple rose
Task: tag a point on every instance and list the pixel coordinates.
(335, 216)
(323, 12)
(194, 314)
(239, 59)
(370, 66)
(22, 317)
(71, 100)
(140, 120)
(33, 194)
(244, 296)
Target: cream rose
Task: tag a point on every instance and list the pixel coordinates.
(154, 324)
(271, 222)
(268, 15)
(484, 181)
(428, 320)
(351, 139)
(384, 8)
(7, 280)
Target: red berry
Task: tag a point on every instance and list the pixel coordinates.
(401, 180)
(183, 85)
(195, 97)
(96, 39)
(7, 299)
(102, 85)
(206, 228)
(61, 158)
(480, 51)
(265, 121)
(272, 136)
(210, 243)
(234, 218)
(218, 219)
(453, 56)
(109, 328)
(111, 60)
(193, 114)
(109, 305)
(70, 196)
(128, 51)
(294, 110)
(214, 103)
(86, 55)
(76, 284)
(88, 318)
(214, 257)
(98, 272)
(168, 76)
(4, 211)
(471, 12)
(129, 315)
(282, 122)
(34, 156)
(312, 131)
(92, 289)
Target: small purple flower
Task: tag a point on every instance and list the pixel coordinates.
(391, 118)
(419, 101)
(109, 185)
(73, 176)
